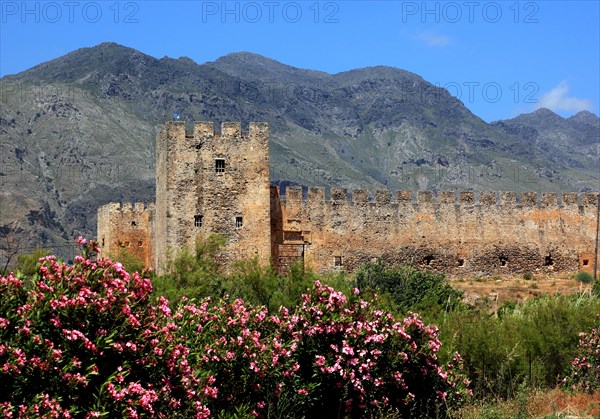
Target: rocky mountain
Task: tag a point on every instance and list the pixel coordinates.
(78, 132)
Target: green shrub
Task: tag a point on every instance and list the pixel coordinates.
(584, 277)
(130, 262)
(596, 289)
(527, 276)
(532, 341)
(408, 288)
(255, 284)
(506, 308)
(193, 275)
(201, 274)
(28, 263)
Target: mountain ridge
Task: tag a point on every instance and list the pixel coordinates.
(78, 131)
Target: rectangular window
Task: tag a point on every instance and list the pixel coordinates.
(337, 261)
(219, 165)
(239, 221)
(293, 235)
(198, 220)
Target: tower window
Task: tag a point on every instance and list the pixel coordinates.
(198, 220)
(503, 261)
(239, 221)
(337, 261)
(585, 262)
(219, 165)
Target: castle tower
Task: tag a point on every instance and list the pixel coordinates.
(213, 183)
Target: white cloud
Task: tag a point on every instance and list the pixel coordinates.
(431, 39)
(557, 100)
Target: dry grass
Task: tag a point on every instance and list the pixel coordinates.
(555, 403)
(565, 403)
(497, 291)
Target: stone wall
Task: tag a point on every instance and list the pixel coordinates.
(487, 233)
(127, 227)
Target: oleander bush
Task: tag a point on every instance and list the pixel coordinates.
(84, 341)
(585, 367)
(88, 340)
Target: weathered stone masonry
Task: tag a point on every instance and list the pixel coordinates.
(452, 233)
(127, 226)
(219, 183)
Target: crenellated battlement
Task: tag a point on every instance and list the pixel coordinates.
(127, 208)
(293, 195)
(205, 131)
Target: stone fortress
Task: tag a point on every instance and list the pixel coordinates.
(219, 183)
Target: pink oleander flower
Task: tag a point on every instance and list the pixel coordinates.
(319, 360)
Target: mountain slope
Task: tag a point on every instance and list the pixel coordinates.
(78, 131)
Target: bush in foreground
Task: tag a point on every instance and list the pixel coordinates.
(83, 340)
(530, 343)
(331, 355)
(86, 341)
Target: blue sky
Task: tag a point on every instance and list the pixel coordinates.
(501, 58)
